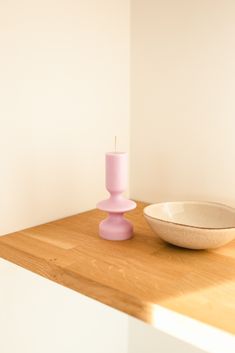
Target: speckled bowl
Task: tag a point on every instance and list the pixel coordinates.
(192, 224)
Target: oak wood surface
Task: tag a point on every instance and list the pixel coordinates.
(134, 275)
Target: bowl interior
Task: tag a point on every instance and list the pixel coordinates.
(196, 214)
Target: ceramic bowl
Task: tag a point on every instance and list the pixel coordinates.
(192, 225)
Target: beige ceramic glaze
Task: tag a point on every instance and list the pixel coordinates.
(193, 225)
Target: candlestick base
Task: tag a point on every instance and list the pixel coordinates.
(115, 226)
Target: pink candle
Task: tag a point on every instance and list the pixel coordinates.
(116, 172)
(115, 227)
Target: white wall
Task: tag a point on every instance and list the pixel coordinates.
(182, 114)
(64, 94)
(183, 100)
(144, 338)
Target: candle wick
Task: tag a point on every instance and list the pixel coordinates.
(115, 144)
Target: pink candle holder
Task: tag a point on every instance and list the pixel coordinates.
(115, 226)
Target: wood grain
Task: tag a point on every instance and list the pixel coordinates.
(133, 275)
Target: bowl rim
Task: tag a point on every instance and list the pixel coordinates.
(209, 203)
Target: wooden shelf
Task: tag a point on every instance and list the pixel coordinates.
(133, 276)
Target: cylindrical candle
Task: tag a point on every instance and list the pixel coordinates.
(116, 171)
